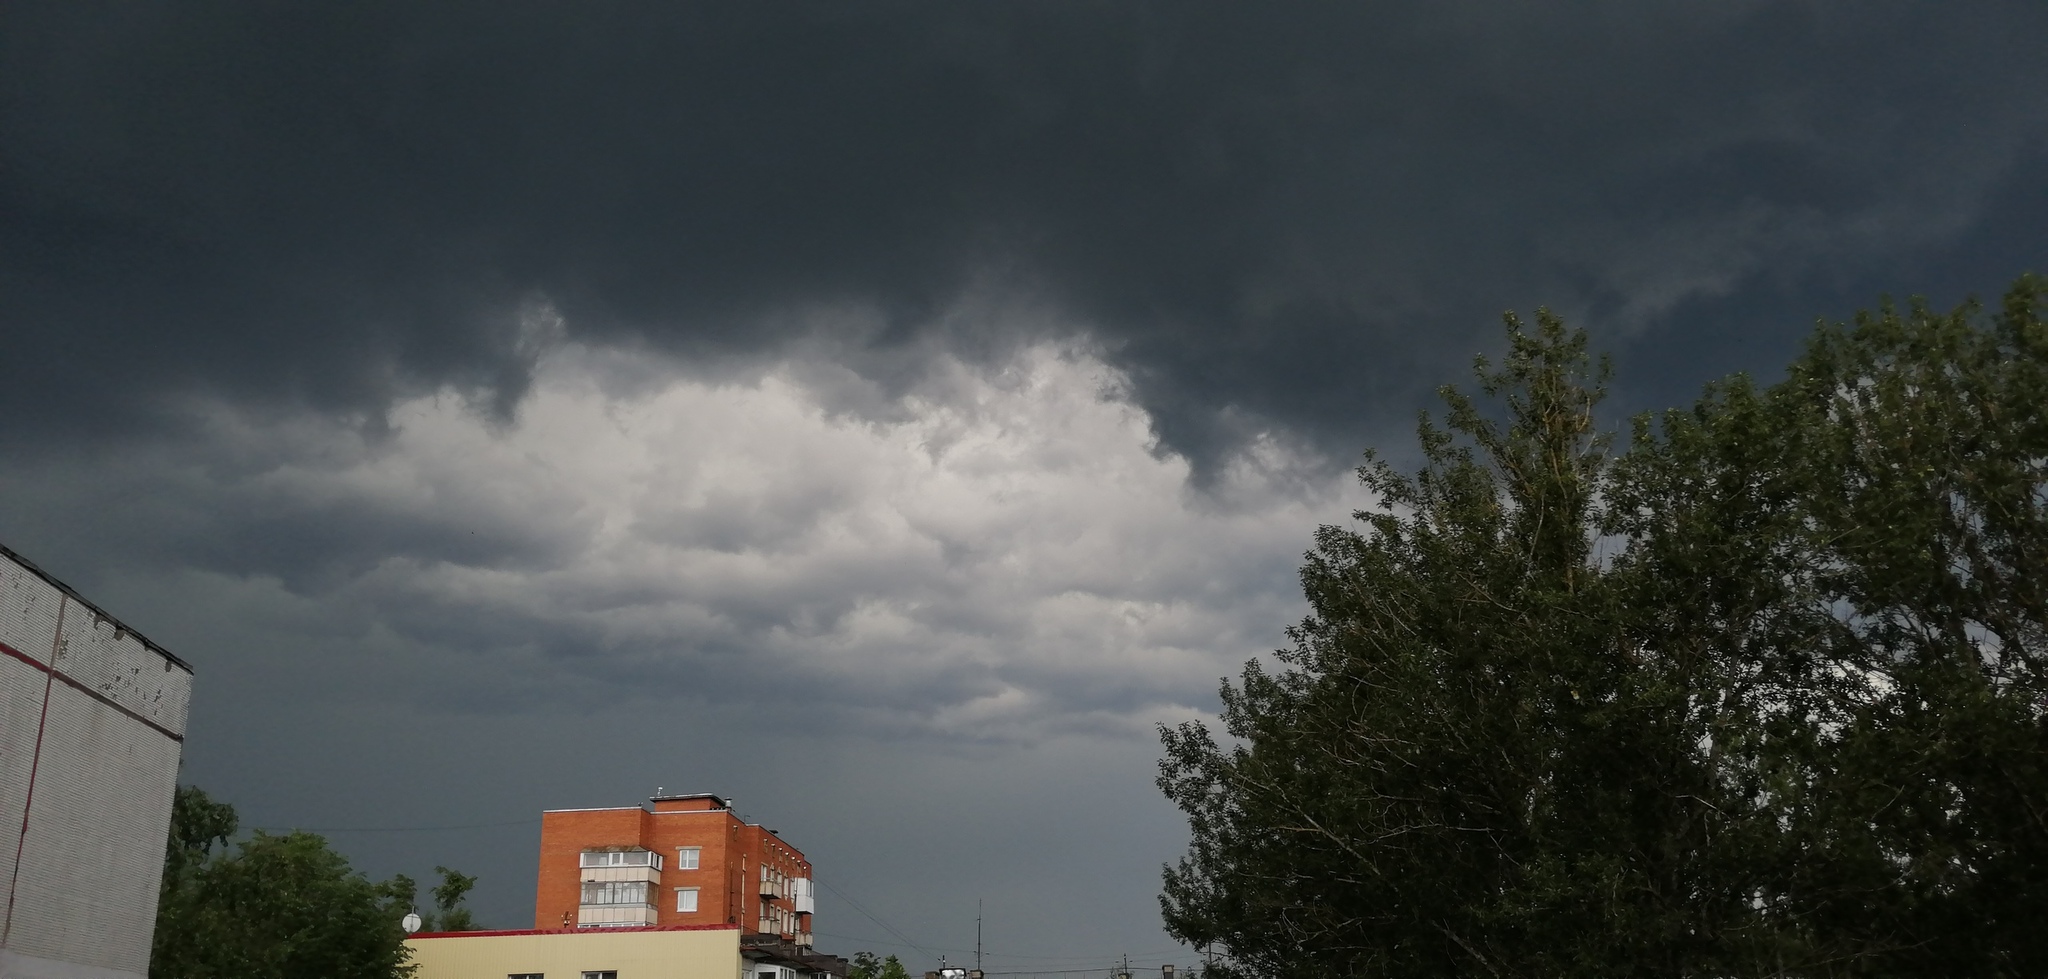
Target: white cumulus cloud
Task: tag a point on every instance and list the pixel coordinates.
(1001, 554)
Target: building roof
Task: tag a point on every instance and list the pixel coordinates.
(567, 931)
(679, 797)
(73, 594)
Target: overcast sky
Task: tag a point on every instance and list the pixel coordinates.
(883, 414)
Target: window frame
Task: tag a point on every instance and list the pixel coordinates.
(606, 859)
(615, 888)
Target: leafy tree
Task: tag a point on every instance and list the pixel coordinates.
(447, 912)
(198, 825)
(278, 906)
(867, 966)
(1760, 696)
(1913, 456)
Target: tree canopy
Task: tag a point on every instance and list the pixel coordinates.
(1759, 694)
(279, 906)
(867, 966)
(447, 912)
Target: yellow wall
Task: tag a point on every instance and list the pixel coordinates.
(636, 954)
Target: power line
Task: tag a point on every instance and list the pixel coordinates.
(1100, 970)
(393, 829)
(856, 905)
(1070, 958)
(1003, 955)
(1056, 972)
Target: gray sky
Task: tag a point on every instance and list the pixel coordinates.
(881, 414)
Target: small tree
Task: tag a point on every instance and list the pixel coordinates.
(447, 912)
(867, 966)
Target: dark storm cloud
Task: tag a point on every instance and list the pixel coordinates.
(515, 405)
(1297, 217)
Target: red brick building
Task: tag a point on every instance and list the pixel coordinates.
(682, 860)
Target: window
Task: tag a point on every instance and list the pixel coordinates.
(527, 975)
(615, 892)
(686, 899)
(621, 858)
(601, 975)
(687, 857)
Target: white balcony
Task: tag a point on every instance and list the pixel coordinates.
(803, 895)
(596, 875)
(633, 857)
(614, 915)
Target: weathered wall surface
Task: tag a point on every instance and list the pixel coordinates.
(92, 721)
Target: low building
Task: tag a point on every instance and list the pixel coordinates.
(648, 952)
(680, 860)
(92, 724)
(674, 952)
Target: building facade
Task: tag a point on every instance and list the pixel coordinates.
(92, 723)
(647, 952)
(681, 860)
(707, 952)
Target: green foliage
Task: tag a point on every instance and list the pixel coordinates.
(198, 825)
(279, 907)
(867, 966)
(1760, 696)
(447, 912)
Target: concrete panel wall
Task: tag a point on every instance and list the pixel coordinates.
(29, 607)
(113, 663)
(92, 721)
(94, 853)
(22, 688)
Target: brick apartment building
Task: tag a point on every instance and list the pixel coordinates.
(681, 860)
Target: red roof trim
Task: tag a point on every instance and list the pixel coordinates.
(570, 931)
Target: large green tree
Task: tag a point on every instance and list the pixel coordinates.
(1760, 695)
(279, 906)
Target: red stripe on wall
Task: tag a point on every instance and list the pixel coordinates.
(35, 764)
(58, 674)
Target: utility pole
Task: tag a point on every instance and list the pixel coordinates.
(977, 936)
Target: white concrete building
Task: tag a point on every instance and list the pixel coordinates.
(92, 721)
